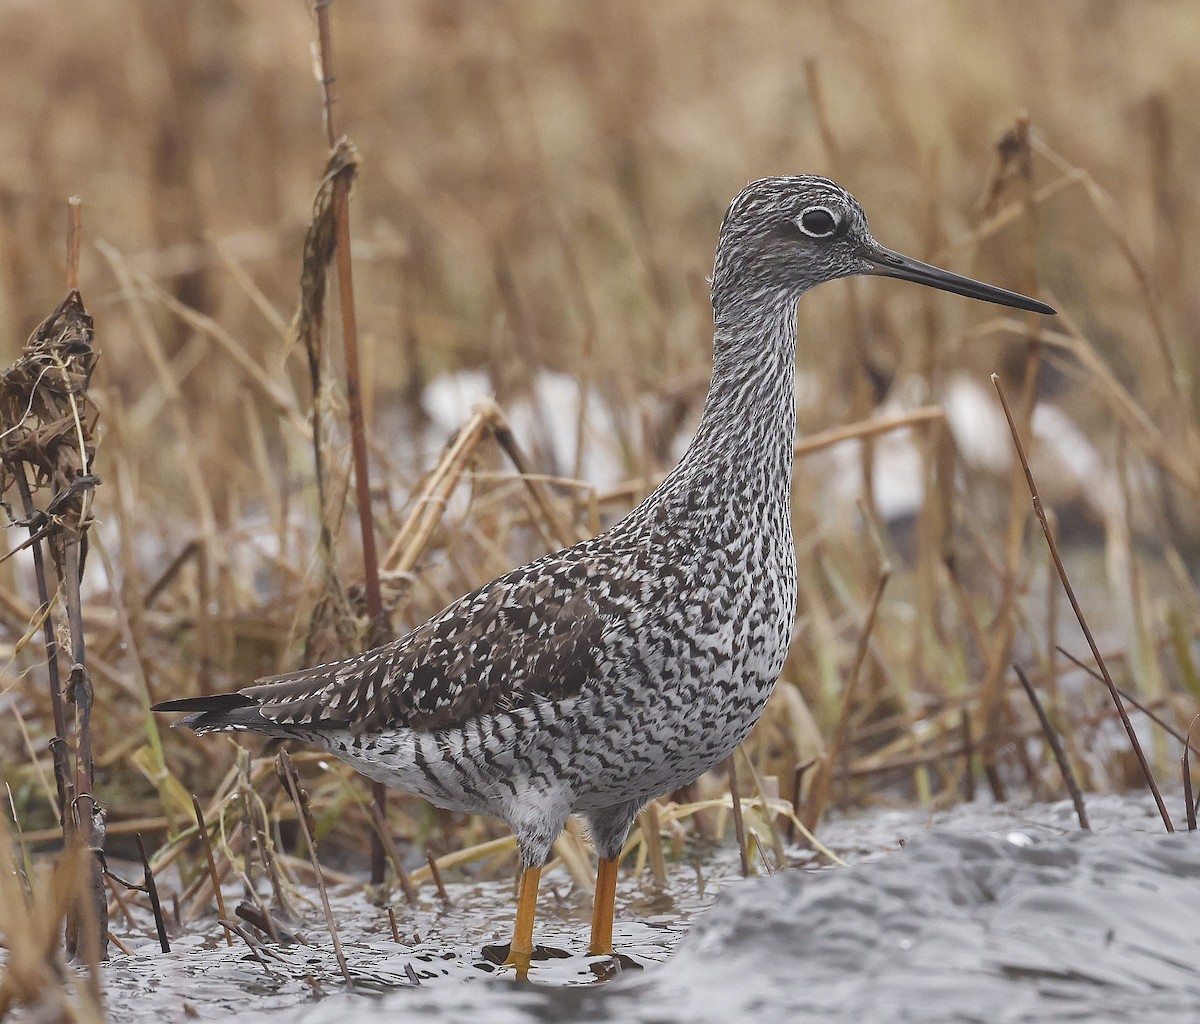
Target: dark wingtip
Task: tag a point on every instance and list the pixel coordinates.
(219, 712)
(214, 702)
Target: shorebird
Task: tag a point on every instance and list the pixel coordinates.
(610, 672)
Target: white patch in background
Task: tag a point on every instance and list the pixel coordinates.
(546, 422)
(252, 546)
(978, 424)
(1067, 465)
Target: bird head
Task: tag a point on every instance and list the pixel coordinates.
(782, 236)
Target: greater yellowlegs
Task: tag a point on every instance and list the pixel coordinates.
(621, 668)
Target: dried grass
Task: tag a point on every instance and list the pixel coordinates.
(539, 191)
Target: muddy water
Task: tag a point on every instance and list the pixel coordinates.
(996, 914)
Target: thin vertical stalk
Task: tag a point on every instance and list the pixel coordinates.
(150, 888)
(739, 825)
(818, 793)
(1013, 165)
(215, 879)
(1083, 625)
(358, 435)
(58, 744)
(344, 264)
(1056, 747)
(291, 784)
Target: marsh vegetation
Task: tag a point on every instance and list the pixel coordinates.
(537, 199)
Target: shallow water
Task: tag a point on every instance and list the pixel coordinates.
(984, 913)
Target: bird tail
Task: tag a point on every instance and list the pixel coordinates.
(220, 712)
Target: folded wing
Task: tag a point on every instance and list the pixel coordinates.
(537, 633)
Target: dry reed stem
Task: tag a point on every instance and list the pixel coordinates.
(1051, 620)
(574, 857)
(430, 502)
(384, 834)
(74, 238)
(119, 944)
(1062, 575)
(968, 745)
(340, 179)
(87, 811)
(871, 427)
(559, 532)
(1013, 167)
(768, 818)
(1127, 696)
(222, 914)
(196, 895)
(354, 388)
(651, 829)
(1186, 768)
(58, 747)
(818, 794)
(443, 895)
(150, 888)
(739, 825)
(798, 774)
(291, 783)
(1064, 764)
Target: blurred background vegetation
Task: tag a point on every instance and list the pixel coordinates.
(540, 192)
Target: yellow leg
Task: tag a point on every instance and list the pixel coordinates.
(522, 942)
(602, 908)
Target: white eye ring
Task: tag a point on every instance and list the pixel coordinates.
(817, 229)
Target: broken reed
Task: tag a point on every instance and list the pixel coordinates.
(47, 451)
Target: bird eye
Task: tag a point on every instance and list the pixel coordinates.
(818, 222)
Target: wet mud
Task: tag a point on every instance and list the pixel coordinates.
(983, 913)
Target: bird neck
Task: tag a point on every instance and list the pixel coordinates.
(751, 401)
(740, 461)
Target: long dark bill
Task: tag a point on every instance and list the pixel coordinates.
(894, 264)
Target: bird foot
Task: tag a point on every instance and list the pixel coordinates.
(502, 955)
(609, 965)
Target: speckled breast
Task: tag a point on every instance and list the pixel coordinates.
(706, 673)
